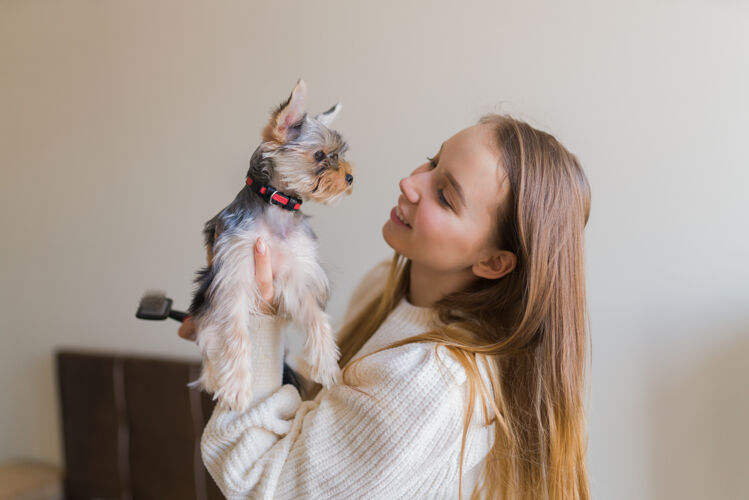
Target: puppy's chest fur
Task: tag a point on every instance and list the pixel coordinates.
(288, 234)
(289, 237)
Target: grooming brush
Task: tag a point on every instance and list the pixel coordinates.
(155, 305)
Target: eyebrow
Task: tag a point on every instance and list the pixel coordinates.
(454, 182)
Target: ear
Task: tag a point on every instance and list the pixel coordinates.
(496, 265)
(288, 116)
(261, 169)
(327, 116)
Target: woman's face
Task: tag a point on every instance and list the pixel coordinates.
(450, 204)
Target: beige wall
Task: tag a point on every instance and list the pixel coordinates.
(125, 125)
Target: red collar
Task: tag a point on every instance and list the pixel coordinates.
(274, 196)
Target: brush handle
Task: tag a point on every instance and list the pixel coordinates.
(178, 315)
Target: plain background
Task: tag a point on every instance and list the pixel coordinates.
(125, 125)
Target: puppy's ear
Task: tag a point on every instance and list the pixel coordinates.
(285, 121)
(327, 116)
(261, 169)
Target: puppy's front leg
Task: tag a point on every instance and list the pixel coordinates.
(320, 348)
(303, 300)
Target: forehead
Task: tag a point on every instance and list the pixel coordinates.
(472, 157)
(315, 135)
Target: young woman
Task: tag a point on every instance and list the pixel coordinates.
(464, 359)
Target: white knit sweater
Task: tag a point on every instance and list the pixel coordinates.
(400, 440)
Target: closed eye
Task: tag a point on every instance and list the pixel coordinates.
(440, 192)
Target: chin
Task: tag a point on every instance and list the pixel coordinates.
(387, 239)
(393, 242)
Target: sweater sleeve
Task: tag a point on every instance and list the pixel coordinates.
(395, 433)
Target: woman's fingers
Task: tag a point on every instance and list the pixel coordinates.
(264, 275)
(187, 329)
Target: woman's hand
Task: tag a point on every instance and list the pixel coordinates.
(187, 329)
(264, 279)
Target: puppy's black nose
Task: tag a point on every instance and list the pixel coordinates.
(349, 178)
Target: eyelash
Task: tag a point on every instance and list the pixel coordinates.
(440, 192)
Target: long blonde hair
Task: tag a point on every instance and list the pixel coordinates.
(531, 325)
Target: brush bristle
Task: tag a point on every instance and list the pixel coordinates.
(154, 305)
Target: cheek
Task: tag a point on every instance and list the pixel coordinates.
(451, 234)
(429, 222)
(441, 227)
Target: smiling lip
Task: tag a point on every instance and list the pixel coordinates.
(395, 219)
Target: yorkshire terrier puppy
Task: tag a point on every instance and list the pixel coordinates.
(299, 159)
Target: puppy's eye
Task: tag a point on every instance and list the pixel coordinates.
(319, 155)
(334, 157)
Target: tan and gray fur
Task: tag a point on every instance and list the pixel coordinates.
(302, 157)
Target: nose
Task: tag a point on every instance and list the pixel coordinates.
(409, 190)
(349, 178)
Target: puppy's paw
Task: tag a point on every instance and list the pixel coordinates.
(207, 380)
(327, 373)
(237, 397)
